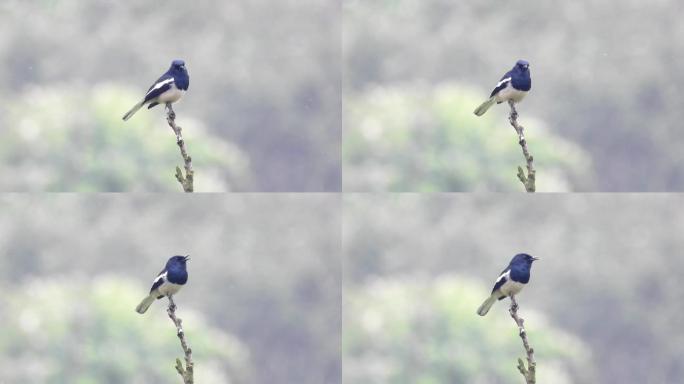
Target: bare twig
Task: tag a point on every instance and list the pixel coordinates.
(187, 372)
(187, 179)
(529, 179)
(528, 372)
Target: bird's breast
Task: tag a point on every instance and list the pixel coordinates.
(522, 82)
(177, 275)
(511, 287)
(510, 93)
(169, 289)
(171, 96)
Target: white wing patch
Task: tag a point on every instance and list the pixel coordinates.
(160, 277)
(503, 275)
(159, 85)
(504, 81)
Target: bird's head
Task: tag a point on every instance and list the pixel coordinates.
(522, 65)
(178, 65)
(523, 258)
(178, 260)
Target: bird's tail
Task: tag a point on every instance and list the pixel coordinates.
(133, 110)
(142, 307)
(484, 308)
(485, 106)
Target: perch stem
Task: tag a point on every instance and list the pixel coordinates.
(186, 372)
(528, 180)
(529, 372)
(186, 180)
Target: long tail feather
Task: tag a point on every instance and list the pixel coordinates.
(484, 106)
(142, 307)
(133, 110)
(484, 308)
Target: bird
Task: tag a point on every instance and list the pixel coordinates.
(510, 282)
(168, 89)
(513, 86)
(168, 282)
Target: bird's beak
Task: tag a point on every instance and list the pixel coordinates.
(535, 258)
(187, 257)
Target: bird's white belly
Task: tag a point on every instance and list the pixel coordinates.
(171, 96)
(510, 93)
(511, 288)
(169, 289)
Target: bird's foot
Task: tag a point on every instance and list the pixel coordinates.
(170, 112)
(514, 304)
(514, 112)
(172, 305)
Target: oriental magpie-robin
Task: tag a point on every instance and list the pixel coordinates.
(168, 282)
(514, 85)
(510, 282)
(166, 90)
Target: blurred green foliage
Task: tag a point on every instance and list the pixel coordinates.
(89, 148)
(425, 331)
(609, 272)
(264, 77)
(605, 76)
(265, 268)
(418, 138)
(60, 330)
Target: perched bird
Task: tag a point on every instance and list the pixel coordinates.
(168, 282)
(167, 89)
(510, 282)
(514, 85)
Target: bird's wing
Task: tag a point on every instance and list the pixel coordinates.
(159, 280)
(503, 83)
(503, 278)
(160, 86)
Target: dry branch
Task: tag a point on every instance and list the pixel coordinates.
(187, 371)
(529, 179)
(186, 180)
(528, 372)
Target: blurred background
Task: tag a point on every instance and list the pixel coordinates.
(603, 304)
(604, 113)
(262, 112)
(262, 304)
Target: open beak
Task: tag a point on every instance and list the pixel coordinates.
(187, 257)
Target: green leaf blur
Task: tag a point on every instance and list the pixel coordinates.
(76, 142)
(65, 331)
(417, 138)
(408, 330)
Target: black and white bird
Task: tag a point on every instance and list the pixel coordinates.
(168, 89)
(510, 282)
(169, 281)
(513, 86)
